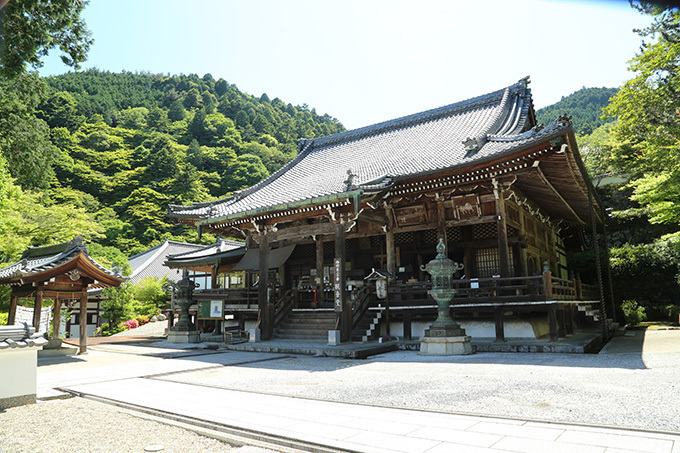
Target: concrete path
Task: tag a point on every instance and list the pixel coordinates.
(368, 428)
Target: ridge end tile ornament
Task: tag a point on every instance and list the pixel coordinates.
(445, 336)
(184, 331)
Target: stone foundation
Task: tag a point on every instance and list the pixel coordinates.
(184, 337)
(445, 345)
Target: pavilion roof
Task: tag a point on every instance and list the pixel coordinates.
(454, 136)
(42, 260)
(210, 254)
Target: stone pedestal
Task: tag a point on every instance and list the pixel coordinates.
(460, 345)
(184, 337)
(254, 335)
(333, 337)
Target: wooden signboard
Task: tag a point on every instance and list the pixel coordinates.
(338, 284)
(210, 309)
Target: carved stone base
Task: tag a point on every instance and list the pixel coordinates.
(451, 330)
(184, 337)
(460, 345)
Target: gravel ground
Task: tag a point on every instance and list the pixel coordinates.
(150, 329)
(631, 390)
(79, 425)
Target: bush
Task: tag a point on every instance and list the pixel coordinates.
(141, 320)
(3, 319)
(107, 330)
(634, 313)
(130, 324)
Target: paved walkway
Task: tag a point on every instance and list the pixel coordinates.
(372, 429)
(133, 376)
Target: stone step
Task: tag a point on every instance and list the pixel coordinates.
(319, 332)
(300, 337)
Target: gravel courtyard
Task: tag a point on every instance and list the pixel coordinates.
(630, 389)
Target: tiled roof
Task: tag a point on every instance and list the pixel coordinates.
(20, 336)
(209, 253)
(150, 262)
(36, 260)
(449, 137)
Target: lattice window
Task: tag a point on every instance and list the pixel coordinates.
(430, 236)
(484, 230)
(512, 231)
(404, 238)
(488, 262)
(454, 234)
(303, 251)
(376, 241)
(329, 248)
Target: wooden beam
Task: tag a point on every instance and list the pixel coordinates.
(295, 232)
(373, 217)
(557, 194)
(390, 248)
(56, 319)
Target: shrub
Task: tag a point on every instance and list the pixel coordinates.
(634, 313)
(107, 330)
(131, 324)
(141, 320)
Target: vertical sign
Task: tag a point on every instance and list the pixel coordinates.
(337, 284)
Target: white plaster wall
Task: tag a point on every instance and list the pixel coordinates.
(75, 330)
(19, 369)
(514, 328)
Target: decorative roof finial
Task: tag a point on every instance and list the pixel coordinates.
(349, 182)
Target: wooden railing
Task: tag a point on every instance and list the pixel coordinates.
(496, 290)
(363, 300)
(230, 296)
(283, 306)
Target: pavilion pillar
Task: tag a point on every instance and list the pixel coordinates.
(56, 319)
(83, 323)
(262, 287)
(14, 301)
(341, 305)
(319, 267)
(502, 228)
(37, 309)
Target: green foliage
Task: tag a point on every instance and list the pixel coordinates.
(633, 313)
(154, 290)
(648, 273)
(3, 318)
(29, 29)
(647, 135)
(24, 138)
(584, 106)
(117, 305)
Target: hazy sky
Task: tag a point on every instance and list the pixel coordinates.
(369, 60)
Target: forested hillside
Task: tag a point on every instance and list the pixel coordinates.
(129, 144)
(584, 106)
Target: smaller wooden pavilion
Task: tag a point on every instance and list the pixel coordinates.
(61, 272)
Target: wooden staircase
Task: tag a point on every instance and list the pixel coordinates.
(368, 328)
(306, 325)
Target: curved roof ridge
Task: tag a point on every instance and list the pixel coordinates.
(408, 120)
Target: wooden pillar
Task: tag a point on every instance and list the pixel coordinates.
(11, 318)
(577, 287)
(500, 326)
(319, 268)
(561, 322)
(552, 324)
(569, 317)
(407, 325)
(37, 309)
(390, 249)
(341, 305)
(441, 225)
(262, 299)
(547, 285)
(83, 323)
(213, 276)
(503, 254)
(56, 320)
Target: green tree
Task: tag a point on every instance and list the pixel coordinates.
(647, 134)
(246, 170)
(176, 111)
(24, 139)
(29, 29)
(61, 110)
(117, 303)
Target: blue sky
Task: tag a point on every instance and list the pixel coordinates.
(370, 60)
